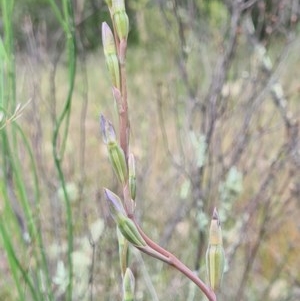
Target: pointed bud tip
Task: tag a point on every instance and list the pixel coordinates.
(105, 30)
(104, 25)
(102, 120)
(102, 127)
(215, 214)
(106, 192)
(107, 130)
(115, 204)
(108, 40)
(131, 165)
(128, 285)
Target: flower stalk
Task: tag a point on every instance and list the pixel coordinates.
(122, 211)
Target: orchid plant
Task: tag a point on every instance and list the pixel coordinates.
(122, 208)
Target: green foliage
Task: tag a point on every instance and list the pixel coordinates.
(14, 188)
(13, 180)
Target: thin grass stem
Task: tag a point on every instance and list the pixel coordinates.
(67, 22)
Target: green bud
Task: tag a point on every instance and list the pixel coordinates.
(110, 54)
(112, 65)
(215, 256)
(215, 261)
(121, 24)
(128, 286)
(132, 177)
(130, 232)
(115, 152)
(117, 159)
(120, 19)
(108, 40)
(118, 5)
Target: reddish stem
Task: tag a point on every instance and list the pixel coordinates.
(177, 264)
(122, 102)
(123, 113)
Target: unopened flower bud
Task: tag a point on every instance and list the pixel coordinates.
(120, 19)
(115, 205)
(130, 232)
(122, 24)
(110, 54)
(117, 159)
(128, 286)
(118, 5)
(108, 40)
(112, 64)
(107, 130)
(132, 177)
(115, 152)
(215, 256)
(125, 224)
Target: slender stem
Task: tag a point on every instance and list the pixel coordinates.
(16, 266)
(123, 114)
(176, 263)
(123, 105)
(67, 21)
(124, 124)
(37, 225)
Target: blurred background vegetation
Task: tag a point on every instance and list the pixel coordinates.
(214, 107)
